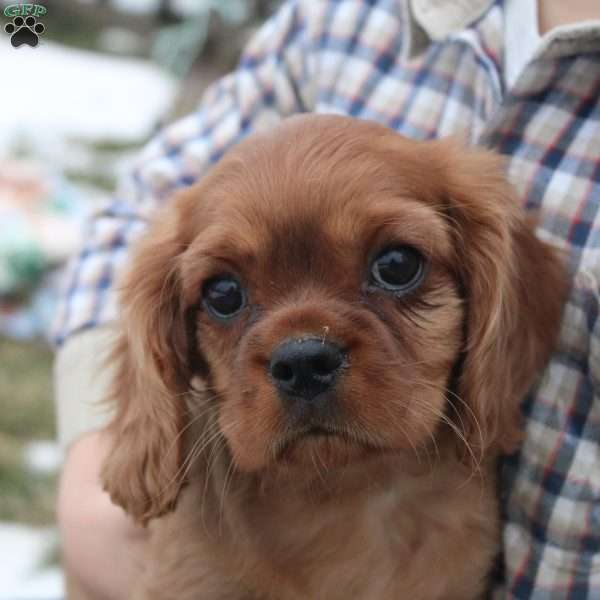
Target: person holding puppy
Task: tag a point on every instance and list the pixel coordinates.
(521, 77)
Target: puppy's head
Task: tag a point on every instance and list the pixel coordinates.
(343, 291)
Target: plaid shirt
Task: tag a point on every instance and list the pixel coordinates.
(369, 59)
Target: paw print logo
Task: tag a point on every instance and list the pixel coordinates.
(24, 31)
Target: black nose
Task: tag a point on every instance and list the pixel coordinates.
(305, 368)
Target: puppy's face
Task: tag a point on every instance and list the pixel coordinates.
(343, 292)
(328, 305)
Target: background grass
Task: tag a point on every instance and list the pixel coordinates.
(26, 414)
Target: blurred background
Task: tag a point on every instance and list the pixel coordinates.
(74, 111)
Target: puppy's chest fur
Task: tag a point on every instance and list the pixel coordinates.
(427, 536)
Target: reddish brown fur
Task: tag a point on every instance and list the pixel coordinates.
(402, 504)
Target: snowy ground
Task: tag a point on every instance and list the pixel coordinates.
(23, 575)
(53, 93)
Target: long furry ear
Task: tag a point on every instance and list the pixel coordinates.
(141, 472)
(514, 287)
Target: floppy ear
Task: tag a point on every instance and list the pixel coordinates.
(514, 287)
(141, 471)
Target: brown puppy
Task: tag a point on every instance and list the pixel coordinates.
(325, 342)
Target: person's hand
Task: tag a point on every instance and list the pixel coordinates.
(102, 548)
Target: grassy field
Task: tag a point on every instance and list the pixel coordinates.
(26, 415)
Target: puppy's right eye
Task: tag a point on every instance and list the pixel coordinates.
(223, 297)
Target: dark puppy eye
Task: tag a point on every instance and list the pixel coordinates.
(223, 296)
(398, 269)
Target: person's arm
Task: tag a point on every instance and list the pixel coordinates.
(101, 547)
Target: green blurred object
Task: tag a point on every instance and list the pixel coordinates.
(38, 214)
(22, 262)
(40, 227)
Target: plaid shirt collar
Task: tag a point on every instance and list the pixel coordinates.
(441, 18)
(436, 20)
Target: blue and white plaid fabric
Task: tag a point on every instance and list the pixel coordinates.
(357, 57)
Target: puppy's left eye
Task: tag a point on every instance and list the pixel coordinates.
(398, 269)
(223, 296)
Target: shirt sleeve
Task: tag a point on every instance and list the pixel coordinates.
(272, 81)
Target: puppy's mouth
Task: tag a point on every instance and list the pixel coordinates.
(317, 431)
(329, 441)
(291, 438)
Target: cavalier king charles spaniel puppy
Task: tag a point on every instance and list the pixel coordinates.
(324, 345)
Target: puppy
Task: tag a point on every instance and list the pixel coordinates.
(325, 342)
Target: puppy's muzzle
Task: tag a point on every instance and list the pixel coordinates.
(304, 369)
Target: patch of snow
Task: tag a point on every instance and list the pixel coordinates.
(136, 6)
(185, 8)
(23, 550)
(119, 40)
(43, 456)
(57, 93)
